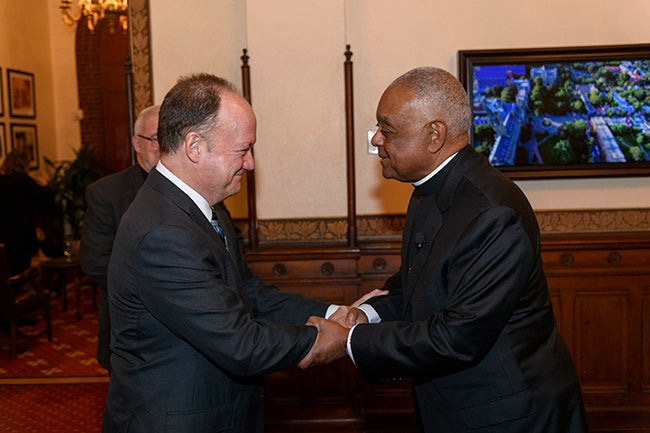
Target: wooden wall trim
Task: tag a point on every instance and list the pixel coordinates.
(389, 227)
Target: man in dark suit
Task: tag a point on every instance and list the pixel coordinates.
(107, 199)
(193, 329)
(24, 202)
(468, 316)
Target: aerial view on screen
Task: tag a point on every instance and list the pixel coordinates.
(587, 112)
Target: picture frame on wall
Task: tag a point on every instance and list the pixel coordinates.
(25, 136)
(22, 94)
(561, 112)
(3, 143)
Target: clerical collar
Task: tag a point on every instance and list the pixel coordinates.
(434, 172)
(197, 198)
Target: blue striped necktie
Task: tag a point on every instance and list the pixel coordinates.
(215, 223)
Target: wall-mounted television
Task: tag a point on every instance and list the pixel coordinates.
(561, 112)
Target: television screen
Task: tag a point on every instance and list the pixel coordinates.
(557, 112)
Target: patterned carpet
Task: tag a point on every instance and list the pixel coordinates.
(57, 386)
(66, 408)
(71, 353)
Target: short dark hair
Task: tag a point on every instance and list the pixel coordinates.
(16, 161)
(191, 105)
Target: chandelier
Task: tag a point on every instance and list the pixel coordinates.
(94, 10)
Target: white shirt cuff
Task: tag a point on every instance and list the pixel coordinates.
(348, 347)
(371, 313)
(330, 310)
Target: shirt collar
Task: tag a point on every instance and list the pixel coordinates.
(197, 198)
(434, 172)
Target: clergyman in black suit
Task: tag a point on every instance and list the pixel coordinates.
(107, 200)
(193, 329)
(469, 317)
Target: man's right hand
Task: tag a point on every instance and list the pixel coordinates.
(330, 343)
(350, 316)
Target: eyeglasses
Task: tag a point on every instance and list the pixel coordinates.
(144, 137)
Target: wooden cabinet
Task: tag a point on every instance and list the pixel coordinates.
(376, 263)
(320, 399)
(600, 288)
(388, 407)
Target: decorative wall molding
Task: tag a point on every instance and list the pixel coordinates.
(329, 230)
(389, 227)
(594, 221)
(140, 54)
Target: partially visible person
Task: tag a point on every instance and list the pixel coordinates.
(107, 200)
(468, 317)
(23, 200)
(193, 329)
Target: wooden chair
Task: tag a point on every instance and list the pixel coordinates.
(20, 296)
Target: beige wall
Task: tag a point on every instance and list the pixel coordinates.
(296, 49)
(33, 39)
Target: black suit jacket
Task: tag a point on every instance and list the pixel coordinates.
(23, 199)
(469, 316)
(193, 328)
(107, 199)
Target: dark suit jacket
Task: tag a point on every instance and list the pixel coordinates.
(22, 200)
(107, 199)
(193, 328)
(472, 320)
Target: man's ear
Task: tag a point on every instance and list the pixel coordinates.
(136, 144)
(437, 135)
(192, 146)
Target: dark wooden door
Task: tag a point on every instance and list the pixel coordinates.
(101, 57)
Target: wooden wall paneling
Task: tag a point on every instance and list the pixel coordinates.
(602, 284)
(324, 398)
(645, 339)
(388, 407)
(602, 347)
(600, 290)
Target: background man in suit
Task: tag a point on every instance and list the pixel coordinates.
(468, 316)
(193, 329)
(107, 199)
(25, 201)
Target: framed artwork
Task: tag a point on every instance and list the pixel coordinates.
(22, 96)
(561, 112)
(2, 99)
(25, 137)
(3, 143)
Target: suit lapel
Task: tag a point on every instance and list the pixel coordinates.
(230, 269)
(428, 221)
(424, 221)
(185, 203)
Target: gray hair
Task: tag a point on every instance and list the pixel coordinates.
(442, 94)
(146, 113)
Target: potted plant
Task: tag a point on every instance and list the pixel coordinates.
(68, 181)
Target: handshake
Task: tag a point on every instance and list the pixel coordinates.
(331, 342)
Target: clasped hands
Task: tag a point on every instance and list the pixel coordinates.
(332, 338)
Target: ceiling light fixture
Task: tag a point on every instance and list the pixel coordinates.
(115, 11)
